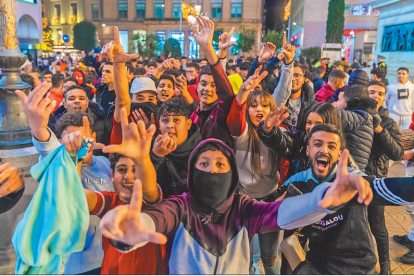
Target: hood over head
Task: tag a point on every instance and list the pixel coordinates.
(226, 191)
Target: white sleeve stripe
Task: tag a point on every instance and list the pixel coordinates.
(383, 191)
(103, 204)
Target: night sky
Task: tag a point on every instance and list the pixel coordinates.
(274, 14)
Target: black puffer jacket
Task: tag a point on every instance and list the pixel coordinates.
(358, 124)
(387, 145)
(359, 77)
(101, 126)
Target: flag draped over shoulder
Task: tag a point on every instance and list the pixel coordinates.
(56, 221)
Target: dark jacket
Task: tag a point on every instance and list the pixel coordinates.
(358, 124)
(101, 125)
(359, 77)
(387, 145)
(318, 82)
(106, 99)
(8, 202)
(341, 243)
(212, 122)
(172, 169)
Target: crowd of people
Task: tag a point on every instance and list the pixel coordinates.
(172, 166)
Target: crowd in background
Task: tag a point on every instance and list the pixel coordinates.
(172, 165)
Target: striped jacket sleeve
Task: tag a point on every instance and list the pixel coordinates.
(392, 191)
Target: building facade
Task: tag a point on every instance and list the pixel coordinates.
(308, 25)
(395, 35)
(160, 17)
(29, 26)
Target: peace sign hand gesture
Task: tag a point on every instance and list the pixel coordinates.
(124, 224)
(114, 51)
(275, 118)
(136, 140)
(345, 186)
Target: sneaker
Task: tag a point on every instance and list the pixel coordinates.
(385, 268)
(404, 241)
(408, 258)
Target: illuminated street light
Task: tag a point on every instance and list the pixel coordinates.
(104, 25)
(294, 23)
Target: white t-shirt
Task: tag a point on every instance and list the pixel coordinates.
(399, 98)
(293, 110)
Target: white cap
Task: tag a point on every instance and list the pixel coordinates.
(143, 84)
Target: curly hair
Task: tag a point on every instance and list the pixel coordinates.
(175, 107)
(72, 119)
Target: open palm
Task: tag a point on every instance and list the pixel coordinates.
(267, 51)
(205, 37)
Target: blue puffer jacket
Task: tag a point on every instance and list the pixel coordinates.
(358, 124)
(359, 77)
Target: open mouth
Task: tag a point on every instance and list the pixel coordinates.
(128, 185)
(259, 116)
(322, 162)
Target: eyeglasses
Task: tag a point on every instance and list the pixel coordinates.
(65, 86)
(297, 76)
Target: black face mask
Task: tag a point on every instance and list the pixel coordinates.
(211, 189)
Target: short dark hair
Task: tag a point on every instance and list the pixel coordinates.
(330, 129)
(130, 68)
(167, 77)
(172, 72)
(73, 87)
(403, 68)
(107, 62)
(175, 107)
(114, 158)
(47, 73)
(336, 74)
(89, 79)
(193, 65)
(380, 83)
(70, 79)
(205, 71)
(379, 72)
(183, 58)
(57, 80)
(319, 70)
(230, 60)
(153, 64)
(145, 62)
(72, 119)
(245, 66)
(139, 71)
(233, 68)
(355, 92)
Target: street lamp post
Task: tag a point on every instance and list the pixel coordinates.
(14, 128)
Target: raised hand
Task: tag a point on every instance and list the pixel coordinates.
(167, 64)
(123, 223)
(114, 51)
(205, 37)
(267, 52)
(10, 179)
(136, 140)
(250, 84)
(164, 145)
(73, 141)
(38, 110)
(139, 115)
(346, 186)
(275, 118)
(225, 40)
(288, 50)
(181, 89)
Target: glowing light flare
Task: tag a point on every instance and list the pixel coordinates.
(287, 10)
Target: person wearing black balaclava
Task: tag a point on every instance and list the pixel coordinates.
(210, 228)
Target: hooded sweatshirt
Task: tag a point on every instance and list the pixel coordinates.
(206, 240)
(399, 99)
(172, 169)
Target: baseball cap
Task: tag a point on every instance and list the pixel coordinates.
(143, 84)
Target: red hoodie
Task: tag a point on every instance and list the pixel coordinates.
(55, 96)
(324, 93)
